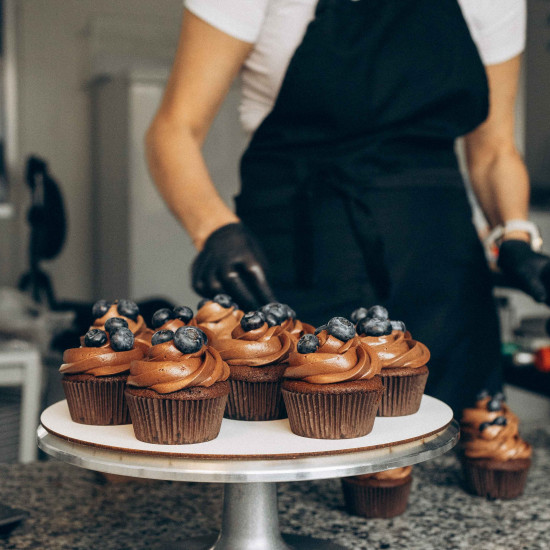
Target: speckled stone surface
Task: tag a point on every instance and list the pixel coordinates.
(74, 509)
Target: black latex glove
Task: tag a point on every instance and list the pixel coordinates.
(233, 263)
(526, 269)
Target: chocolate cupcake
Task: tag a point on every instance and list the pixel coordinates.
(379, 495)
(178, 392)
(217, 317)
(94, 377)
(495, 459)
(404, 361)
(127, 314)
(331, 388)
(257, 355)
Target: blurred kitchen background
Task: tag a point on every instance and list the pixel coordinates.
(80, 81)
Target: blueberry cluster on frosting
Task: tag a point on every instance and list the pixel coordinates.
(375, 321)
(125, 308)
(164, 315)
(223, 300)
(186, 339)
(120, 337)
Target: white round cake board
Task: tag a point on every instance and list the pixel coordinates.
(261, 440)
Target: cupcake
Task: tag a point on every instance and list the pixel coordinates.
(285, 316)
(331, 388)
(403, 360)
(94, 376)
(257, 355)
(379, 495)
(495, 459)
(217, 317)
(128, 314)
(177, 393)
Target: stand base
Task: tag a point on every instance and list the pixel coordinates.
(297, 542)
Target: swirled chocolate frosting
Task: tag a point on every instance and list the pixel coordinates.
(165, 369)
(397, 350)
(101, 361)
(485, 438)
(334, 361)
(217, 321)
(297, 328)
(256, 348)
(392, 474)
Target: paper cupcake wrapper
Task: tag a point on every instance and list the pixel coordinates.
(254, 401)
(99, 402)
(493, 483)
(173, 422)
(376, 502)
(331, 415)
(402, 394)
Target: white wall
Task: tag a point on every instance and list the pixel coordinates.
(54, 64)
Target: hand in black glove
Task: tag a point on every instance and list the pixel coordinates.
(233, 263)
(526, 269)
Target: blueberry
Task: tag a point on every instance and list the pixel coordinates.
(358, 314)
(204, 337)
(341, 328)
(252, 320)
(279, 311)
(223, 300)
(271, 320)
(188, 339)
(484, 425)
(398, 325)
(308, 343)
(483, 394)
(114, 323)
(499, 396)
(183, 313)
(234, 305)
(494, 405)
(202, 302)
(129, 309)
(95, 338)
(161, 316)
(122, 339)
(374, 327)
(500, 421)
(100, 308)
(378, 312)
(319, 329)
(162, 336)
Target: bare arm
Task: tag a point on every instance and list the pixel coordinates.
(207, 61)
(497, 171)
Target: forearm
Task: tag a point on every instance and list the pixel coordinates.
(500, 181)
(180, 173)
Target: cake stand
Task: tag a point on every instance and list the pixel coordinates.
(250, 457)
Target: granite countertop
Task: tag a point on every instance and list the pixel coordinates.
(76, 509)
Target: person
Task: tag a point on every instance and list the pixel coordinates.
(351, 192)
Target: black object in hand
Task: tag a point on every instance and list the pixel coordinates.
(526, 269)
(232, 262)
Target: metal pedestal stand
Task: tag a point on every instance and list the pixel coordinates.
(250, 515)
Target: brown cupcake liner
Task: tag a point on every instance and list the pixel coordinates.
(402, 394)
(176, 422)
(255, 400)
(99, 402)
(493, 482)
(331, 416)
(376, 502)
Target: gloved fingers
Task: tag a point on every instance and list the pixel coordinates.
(205, 279)
(197, 274)
(238, 290)
(259, 285)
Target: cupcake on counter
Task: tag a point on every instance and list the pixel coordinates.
(404, 360)
(332, 386)
(94, 376)
(127, 313)
(218, 317)
(495, 459)
(379, 495)
(178, 392)
(257, 355)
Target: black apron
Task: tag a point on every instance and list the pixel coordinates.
(352, 186)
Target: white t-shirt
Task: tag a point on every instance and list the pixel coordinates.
(276, 28)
